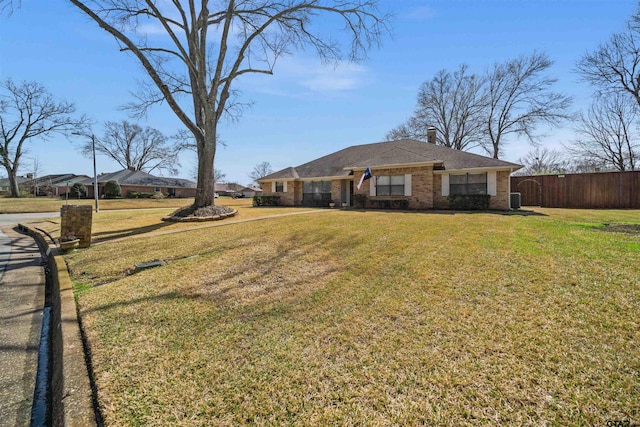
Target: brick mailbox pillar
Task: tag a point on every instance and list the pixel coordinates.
(76, 219)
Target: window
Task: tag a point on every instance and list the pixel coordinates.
(157, 189)
(390, 185)
(316, 193)
(279, 187)
(468, 183)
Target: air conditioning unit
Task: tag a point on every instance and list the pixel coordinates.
(515, 201)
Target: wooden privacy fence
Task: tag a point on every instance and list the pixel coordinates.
(612, 190)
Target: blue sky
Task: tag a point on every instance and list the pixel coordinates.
(307, 110)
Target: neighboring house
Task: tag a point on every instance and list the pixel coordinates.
(251, 191)
(142, 182)
(227, 188)
(4, 184)
(53, 185)
(64, 186)
(422, 173)
(231, 189)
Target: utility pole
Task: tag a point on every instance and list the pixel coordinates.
(95, 173)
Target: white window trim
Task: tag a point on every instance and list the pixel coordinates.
(445, 184)
(492, 183)
(284, 186)
(407, 184)
(372, 186)
(273, 187)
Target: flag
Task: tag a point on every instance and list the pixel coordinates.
(366, 175)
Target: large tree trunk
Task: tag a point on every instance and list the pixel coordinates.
(13, 183)
(206, 156)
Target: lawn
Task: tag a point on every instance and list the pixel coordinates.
(53, 204)
(112, 225)
(368, 318)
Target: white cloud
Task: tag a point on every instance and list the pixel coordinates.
(300, 77)
(420, 13)
(151, 29)
(344, 77)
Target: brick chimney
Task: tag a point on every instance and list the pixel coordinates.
(431, 135)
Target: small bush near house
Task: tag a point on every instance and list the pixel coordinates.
(78, 190)
(112, 190)
(139, 195)
(469, 202)
(266, 200)
(361, 200)
(157, 195)
(390, 204)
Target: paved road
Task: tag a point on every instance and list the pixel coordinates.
(21, 305)
(10, 219)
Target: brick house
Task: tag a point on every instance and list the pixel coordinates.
(421, 173)
(142, 182)
(233, 189)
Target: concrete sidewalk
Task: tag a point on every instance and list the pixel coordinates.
(22, 293)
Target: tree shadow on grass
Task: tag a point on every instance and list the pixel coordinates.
(128, 232)
(262, 286)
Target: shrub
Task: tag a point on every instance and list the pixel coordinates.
(139, 195)
(157, 195)
(321, 202)
(360, 199)
(400, 204)
(112, 190)
(390, 203)
(78, 190)
(266, 200)
(469, 202)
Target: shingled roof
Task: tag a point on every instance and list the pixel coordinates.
(129, 177)
(390, 153)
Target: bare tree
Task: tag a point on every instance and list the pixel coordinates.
(36, 169)
(614, 67)
(9, 6)
(29, 111)
(519, 98)
(260, 171)
(453, 104)
(581, 165)
(542, 160)
(218, 175)
(136, 148)
(609, 134)
(207, 48)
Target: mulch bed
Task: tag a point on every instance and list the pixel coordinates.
(207, 213)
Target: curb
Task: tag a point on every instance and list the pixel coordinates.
(72, 398)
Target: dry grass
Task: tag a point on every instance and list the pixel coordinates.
(370, 318)
(109, 226)
(50, 204)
